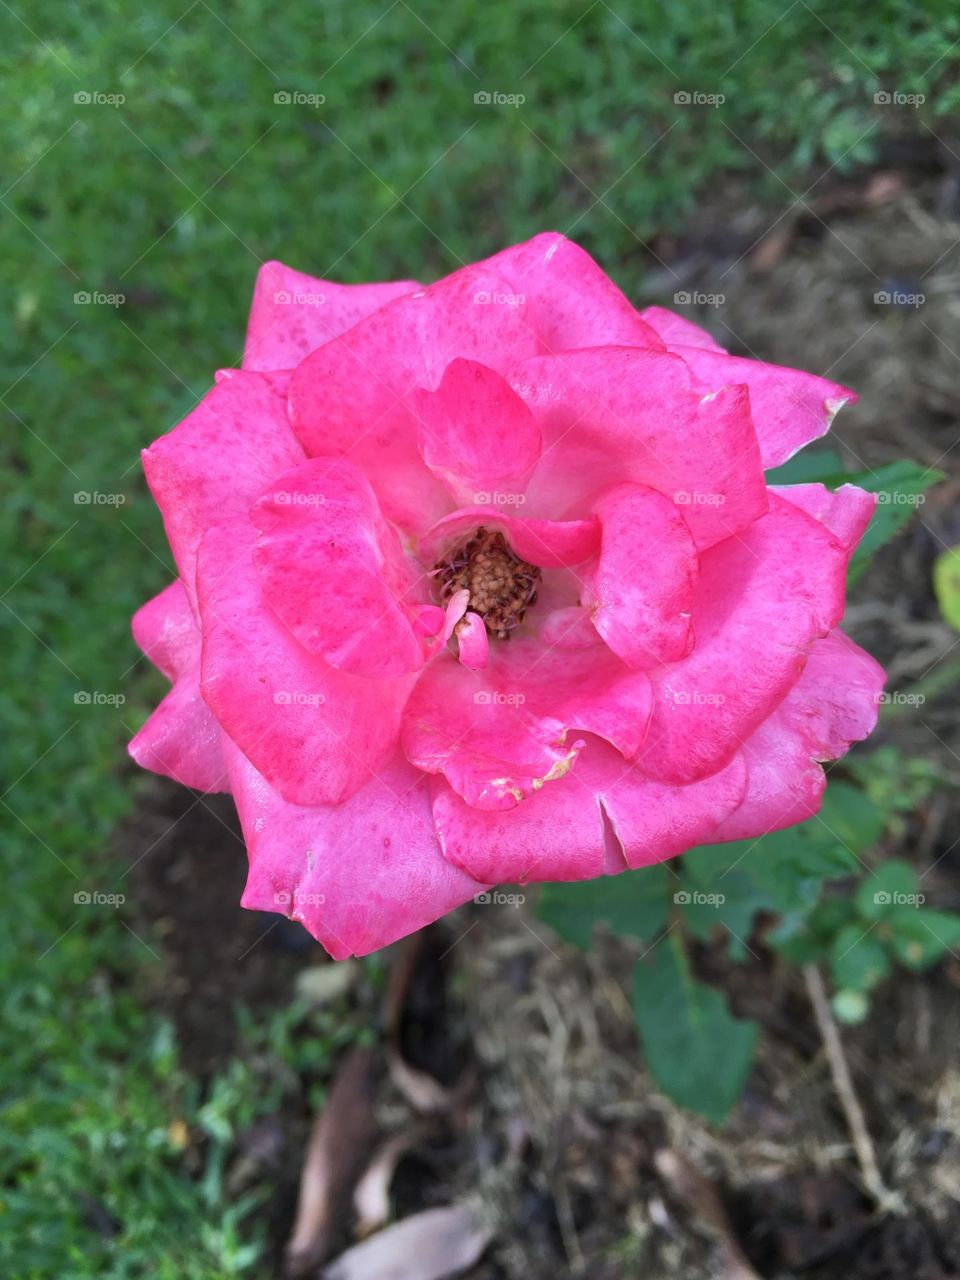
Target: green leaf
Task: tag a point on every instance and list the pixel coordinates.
(893, 885)
(919, 937)
(858, 959)
(633, 904)
(946, 584)
(900, 487)
(807, 466)
(697, 1052)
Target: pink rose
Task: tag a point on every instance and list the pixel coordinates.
(482, 583)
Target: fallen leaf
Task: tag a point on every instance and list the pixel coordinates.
(339, 1145)
(427, 1246)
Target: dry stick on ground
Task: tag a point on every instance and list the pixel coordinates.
(843, 1083)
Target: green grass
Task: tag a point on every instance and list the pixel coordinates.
(171, 199)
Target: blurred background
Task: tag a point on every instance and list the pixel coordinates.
(786, 174)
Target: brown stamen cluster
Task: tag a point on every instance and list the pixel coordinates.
(502, 587)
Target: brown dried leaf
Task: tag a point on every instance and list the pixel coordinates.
(341, 1139)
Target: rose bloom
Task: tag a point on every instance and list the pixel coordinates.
(482, 582)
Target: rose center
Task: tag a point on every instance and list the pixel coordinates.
(502, 587)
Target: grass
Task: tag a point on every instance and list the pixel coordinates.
(170, 199)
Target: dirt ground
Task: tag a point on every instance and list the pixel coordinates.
(579, 1166)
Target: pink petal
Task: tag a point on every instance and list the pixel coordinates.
(654, 821)
(333, 571)
(181, 739)
(358, 875)
(551, 544)
(475, 431)
(573, 303)
(165, 629)
(676, 331)
(614, 415)
(790, 408)
(474, 646)
(833, 705)
(316, 733)
(213, 465)
(641, 589)
(762, 598)
(352, 397)
(292, 314)
(500, 734)
(555, 834)
(846, 511)
(568, 628)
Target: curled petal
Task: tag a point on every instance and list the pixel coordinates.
(641, 588)
(353, 397)
(761, 600)
(613, 415)
(503, 733)
(181, 739)
(790, 408)
(213, 465)
(676, 331)
(165, 629)
(833, 705)
(655, 821)
(292, 314)
(357, 875)
(846, 511)
(475, 431)
(473, 643)
(572, 302)
(333, 571)
(314, 732)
